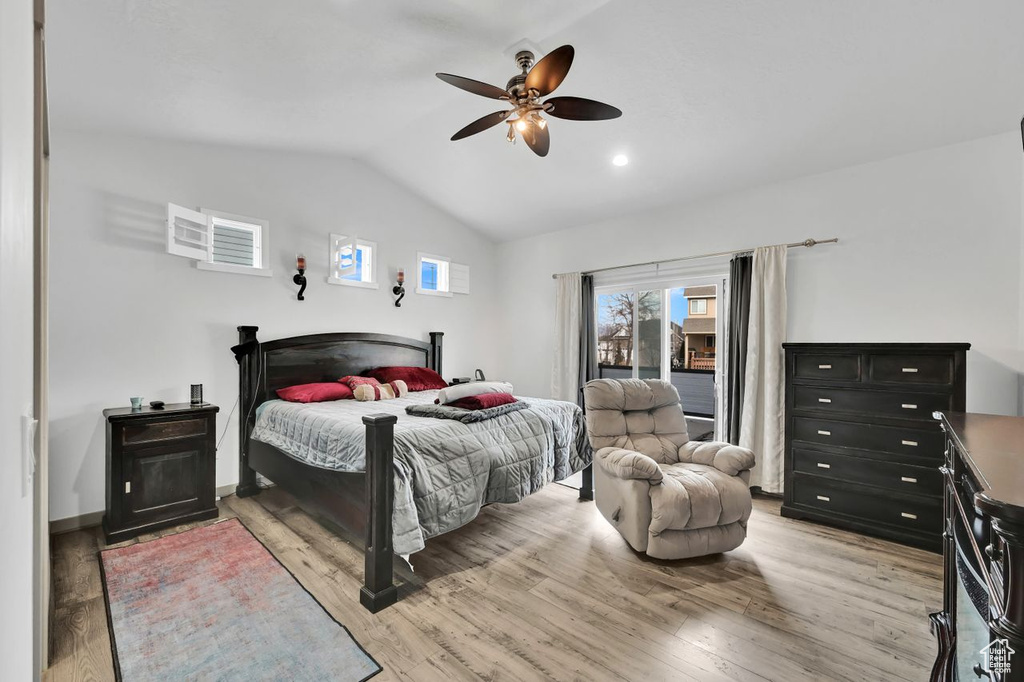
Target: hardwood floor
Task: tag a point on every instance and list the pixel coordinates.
(547, 590)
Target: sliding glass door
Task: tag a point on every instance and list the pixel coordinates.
(668, 330)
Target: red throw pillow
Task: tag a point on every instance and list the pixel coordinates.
(416, 378)
(314, 393)
(484, 400)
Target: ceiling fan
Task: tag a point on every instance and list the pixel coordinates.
(523, 93)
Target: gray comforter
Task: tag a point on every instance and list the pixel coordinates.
(445, 470)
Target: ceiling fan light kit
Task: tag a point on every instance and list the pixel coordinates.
(523, 92)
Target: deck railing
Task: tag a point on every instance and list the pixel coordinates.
(696, 386)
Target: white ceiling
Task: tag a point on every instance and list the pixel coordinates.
(716, 96)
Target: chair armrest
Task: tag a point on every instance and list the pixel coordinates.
(628, 464)
(727, 458)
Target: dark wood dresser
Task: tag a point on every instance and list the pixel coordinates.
(161, 468)
(981, 627)
(862, 448)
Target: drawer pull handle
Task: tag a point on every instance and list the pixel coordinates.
(822, 465)
(824, 433)
(824, 366)
(911, 443)
(909, 406)
(910, 370)
(824, 498)
(908, 479)
(908, 515)
(824, 400)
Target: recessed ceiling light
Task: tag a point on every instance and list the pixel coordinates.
(620, 160)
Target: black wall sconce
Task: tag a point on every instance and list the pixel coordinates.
(399, 289)
(300, 279)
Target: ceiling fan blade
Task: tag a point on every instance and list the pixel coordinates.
(537, 139)
(580, 109)
(481, 124)
(476, 87)
(548, 73)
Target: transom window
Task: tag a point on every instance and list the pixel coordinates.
(353, 262)
(219, 241)
(433, 272)
(438, 276)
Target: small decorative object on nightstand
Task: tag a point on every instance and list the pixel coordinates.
(161, 468)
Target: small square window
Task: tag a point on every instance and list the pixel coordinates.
(360, 269)
(433, 273)
(698, 306)
(219, 241)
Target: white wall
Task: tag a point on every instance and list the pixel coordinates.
(930, 251)
(16, 314)
(128, 319)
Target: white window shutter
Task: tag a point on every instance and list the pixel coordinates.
(188, 233)
(234, 245)
(458, 278)
(339, 245)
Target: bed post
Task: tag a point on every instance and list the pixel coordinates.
(587, 487)
(436, 340)
(379, 591)
(248, 361)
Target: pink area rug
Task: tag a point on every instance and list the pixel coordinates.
(212, 603)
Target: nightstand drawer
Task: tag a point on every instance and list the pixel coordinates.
(904, 478)
(927, 442)
(150, 432)
(828, 367)
(912, 369)
(892, 403)
(870, 504)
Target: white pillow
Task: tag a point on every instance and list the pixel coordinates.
(459, 391)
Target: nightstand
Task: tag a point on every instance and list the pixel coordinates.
(161, 468)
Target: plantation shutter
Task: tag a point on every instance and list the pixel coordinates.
(233, 244)
(188, 233)
(343, 250)
(458, 278)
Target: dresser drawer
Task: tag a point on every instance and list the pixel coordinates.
(871, 504)
(827, 366)
(872, 403)
(904, 478)
(926, 442)
(133, 434)
(912, 369)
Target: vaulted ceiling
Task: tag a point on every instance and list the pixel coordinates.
(716, 96)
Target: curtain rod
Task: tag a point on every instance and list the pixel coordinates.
(807, 242)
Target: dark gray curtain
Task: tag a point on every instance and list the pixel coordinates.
(588, 334)
(740, 269)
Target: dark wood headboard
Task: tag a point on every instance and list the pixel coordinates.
(270, 365)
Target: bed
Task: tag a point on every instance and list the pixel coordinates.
(388, 479)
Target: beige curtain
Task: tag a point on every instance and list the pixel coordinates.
(565, 372)
(762, 425)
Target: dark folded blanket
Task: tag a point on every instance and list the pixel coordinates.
(463, 415)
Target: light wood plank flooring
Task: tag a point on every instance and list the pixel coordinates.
(547, 590)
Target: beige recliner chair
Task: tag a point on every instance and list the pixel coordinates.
(667, 496)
